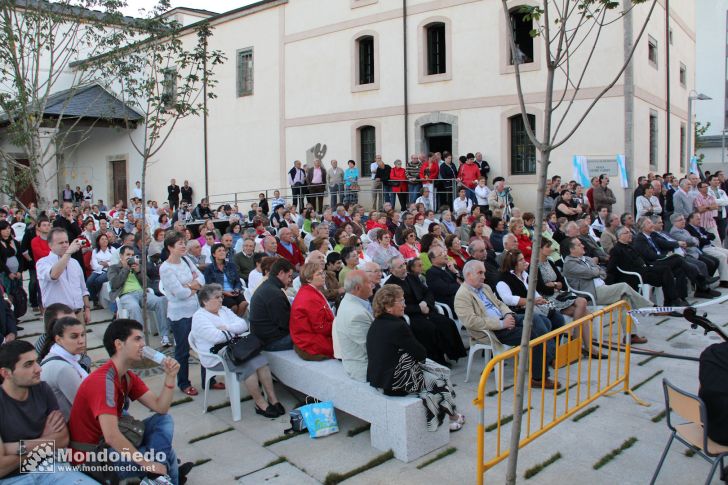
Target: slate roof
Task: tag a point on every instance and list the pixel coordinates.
(91, 101)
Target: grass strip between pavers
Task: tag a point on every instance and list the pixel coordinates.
(690, 452)
(226, 404)
(495, 392)
(659, 417)
(439, 456)
(277, 461)
(334, 478)
(534, 470)
(201, 461)
(504, 420)
(359, 429)
(661, 321)
(184, 400)
(640, 384)
(585, 413)
(282, 437)
(566, 388)
(210, 435)
(677, 334)
(95, 348)
(614, 453)
(643, 362)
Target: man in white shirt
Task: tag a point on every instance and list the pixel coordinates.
(61, 277)
(462, 205)
(277, 199)
(137, 190)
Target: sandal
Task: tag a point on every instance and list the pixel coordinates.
(190, 391)
(461, 419)
(455, 426)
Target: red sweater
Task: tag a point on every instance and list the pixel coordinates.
(525, 245)
(311, 322)
(295, 259)
(469, 173)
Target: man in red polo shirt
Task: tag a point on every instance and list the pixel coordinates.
(101, 398)
(288, 250)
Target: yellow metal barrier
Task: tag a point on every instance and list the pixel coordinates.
(601, 373)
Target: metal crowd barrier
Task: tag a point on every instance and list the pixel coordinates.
(596, 375)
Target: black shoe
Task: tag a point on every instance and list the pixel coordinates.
(184, 470)
(279, 407)
(270, 411)
(703, 294)
(680, 302)
(724, 284)
(711, 279)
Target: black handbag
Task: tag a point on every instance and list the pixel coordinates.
(240, 348)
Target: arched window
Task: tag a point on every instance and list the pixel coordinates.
(523, 152)
(367, 148)
(436, 48)
(522, 37)
(365, 51)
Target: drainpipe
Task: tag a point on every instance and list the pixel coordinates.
(406, 91)
(667, 78)
(204, 119)
(628, 105)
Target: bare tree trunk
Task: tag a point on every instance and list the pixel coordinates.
(145, 283)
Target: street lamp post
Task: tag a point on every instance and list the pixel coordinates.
(692, 97)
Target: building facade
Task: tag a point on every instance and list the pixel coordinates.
(350, 79)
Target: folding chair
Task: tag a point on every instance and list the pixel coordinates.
(645, 289)
(693, 433)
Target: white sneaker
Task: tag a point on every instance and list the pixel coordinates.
(165, 342)
(162, 480)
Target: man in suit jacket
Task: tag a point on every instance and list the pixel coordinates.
(655, 250)
(682, 201)
(707, 245)
(441, 278)
(583, 275)
(437, 333)
(712, 258)
(623, 256)
(490, 321)
(353, 319)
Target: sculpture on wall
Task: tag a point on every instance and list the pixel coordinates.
(318, 151)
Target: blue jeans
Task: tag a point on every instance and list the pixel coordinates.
(94, 283)
(158, 433)
(181, 331)
(158, 304)
(283, 343)
(414, 191)
(64, 475)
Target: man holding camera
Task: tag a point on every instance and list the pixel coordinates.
(125, 280)
(61, 278)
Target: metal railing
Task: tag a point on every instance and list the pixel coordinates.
(603, 373)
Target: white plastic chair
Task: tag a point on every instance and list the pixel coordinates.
(444, 309)
(232, 386)
(489, 350)
(645, 289)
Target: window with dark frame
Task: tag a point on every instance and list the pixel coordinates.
(652, 51)
(169, 88)
(683, 140)
(522, 37)
(523, 152)
(436, 49)
(245, 72)
(367, 149)
(683, 74)
(653, 141)
(366, 59)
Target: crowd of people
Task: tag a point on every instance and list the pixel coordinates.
(384, 291)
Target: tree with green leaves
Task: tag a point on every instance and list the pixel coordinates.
(165, 77)
(39, 43)
(569, 30)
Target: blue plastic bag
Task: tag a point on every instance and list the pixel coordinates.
(320, 419)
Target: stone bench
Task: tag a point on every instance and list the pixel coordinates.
(397, 423)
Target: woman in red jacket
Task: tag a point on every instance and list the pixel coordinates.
(311, 317)
(524, 242)
(398, 174)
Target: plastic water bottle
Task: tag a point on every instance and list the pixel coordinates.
(155, 355)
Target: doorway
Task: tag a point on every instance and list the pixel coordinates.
(27, 194)
(118, 182)
(438, 137)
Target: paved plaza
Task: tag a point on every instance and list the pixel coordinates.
(253, 451)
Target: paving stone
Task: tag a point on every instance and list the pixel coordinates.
(281, 474)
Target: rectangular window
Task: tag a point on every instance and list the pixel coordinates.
(367, 148)
(366, 60)
(652, 51)
(523, 153)
(245, 72)
(436, 49)
(683, 140)
(169, 88)
(653, 140)
(683, 75)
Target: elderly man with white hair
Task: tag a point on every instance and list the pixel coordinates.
(509, 242)
(194, 254)
(353, 319)
(682, 199)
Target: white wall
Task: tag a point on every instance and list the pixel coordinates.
(711, 68)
